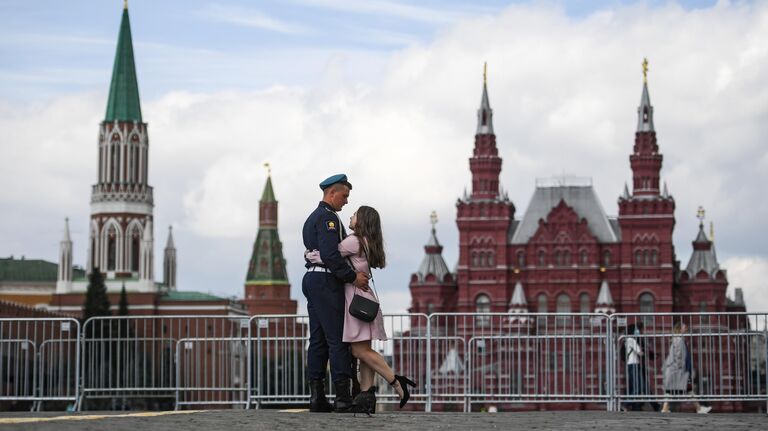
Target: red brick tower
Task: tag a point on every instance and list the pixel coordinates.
(484, 219)
(267, 290)
(647, 219)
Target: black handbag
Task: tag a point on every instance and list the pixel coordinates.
(361, 307)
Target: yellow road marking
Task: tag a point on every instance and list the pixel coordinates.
(92, 417)
(294, 410)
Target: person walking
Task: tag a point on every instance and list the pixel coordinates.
(633, 355)
(323, 286)
(365, 250)
(676, 373)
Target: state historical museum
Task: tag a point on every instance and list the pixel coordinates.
(565, 254)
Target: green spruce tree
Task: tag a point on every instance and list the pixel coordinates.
(96, 301)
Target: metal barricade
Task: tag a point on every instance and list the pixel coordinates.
(278, 346)
(519, 358)
(130, 360)
(27, 348)
(226, 381)
(721, 355)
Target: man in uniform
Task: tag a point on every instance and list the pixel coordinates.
(323, 286)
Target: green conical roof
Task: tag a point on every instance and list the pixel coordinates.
(123, 103)
(267, 265)
(268, 195)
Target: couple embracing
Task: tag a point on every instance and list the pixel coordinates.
(338, 268)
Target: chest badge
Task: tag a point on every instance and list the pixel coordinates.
(330, 225)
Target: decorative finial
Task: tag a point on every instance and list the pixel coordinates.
(712, 231)
(433, 219)
(269, 169)
(700, 215)
(485, 73)
(645, 70)
(125, 4)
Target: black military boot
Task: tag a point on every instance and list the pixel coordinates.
(317, 401)
(343, 401)
(365, 401)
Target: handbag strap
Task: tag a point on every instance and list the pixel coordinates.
(370, 272)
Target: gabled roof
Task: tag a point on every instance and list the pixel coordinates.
(581, 198)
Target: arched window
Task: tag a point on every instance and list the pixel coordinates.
(558, 260)
(111, 249)
(474, 258)
(135, 248)
(563, 306)
(646, 258)
(566, 258)
(542, 307)
(490, 259)
(654, 257)
(584, 304)
(483, 305)
(638, 257)
(584, 259)
(606, 258)
(430, 307)
(542, 303)
(646, 303)
(520, 259)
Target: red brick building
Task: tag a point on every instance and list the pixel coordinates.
(565, 252)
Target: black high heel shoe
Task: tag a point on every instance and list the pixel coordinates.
(404, 383)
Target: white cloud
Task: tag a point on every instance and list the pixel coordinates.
(250, 18)
(751, 274)
(564, 93)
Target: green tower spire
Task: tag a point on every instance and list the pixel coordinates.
(267, 265)
(123, 103)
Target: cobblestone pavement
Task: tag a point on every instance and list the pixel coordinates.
(236, 420)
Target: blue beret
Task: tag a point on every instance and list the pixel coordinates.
(334, 179)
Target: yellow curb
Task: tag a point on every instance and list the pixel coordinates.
(92, 417)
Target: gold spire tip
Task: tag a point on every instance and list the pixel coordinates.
(700, 213)
(269, 169)
(645, 70)
(485, 73)
(712, 231)
(433, 218)
(125, 4)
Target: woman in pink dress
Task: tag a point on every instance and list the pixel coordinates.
(365, 250)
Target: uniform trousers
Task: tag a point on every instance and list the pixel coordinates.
(325, 306)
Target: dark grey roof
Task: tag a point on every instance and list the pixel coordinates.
(581, 198)
(703, 257)
(485, 107)
(645, 124)
(433, 262)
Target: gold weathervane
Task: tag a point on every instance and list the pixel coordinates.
(269, 169)
(645, 70)
(433, 219)
(700, 212)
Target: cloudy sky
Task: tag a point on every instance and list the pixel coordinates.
(386, 91)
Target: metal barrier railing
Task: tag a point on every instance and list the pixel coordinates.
(720, 356)
(463, 360)
(519, 358)
(39, 360)
(134, 357)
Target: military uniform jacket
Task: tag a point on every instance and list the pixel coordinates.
(324, 231)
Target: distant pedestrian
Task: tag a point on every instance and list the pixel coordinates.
(676, 371)
(633, 354)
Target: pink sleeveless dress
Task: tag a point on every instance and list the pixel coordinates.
(354, 328)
